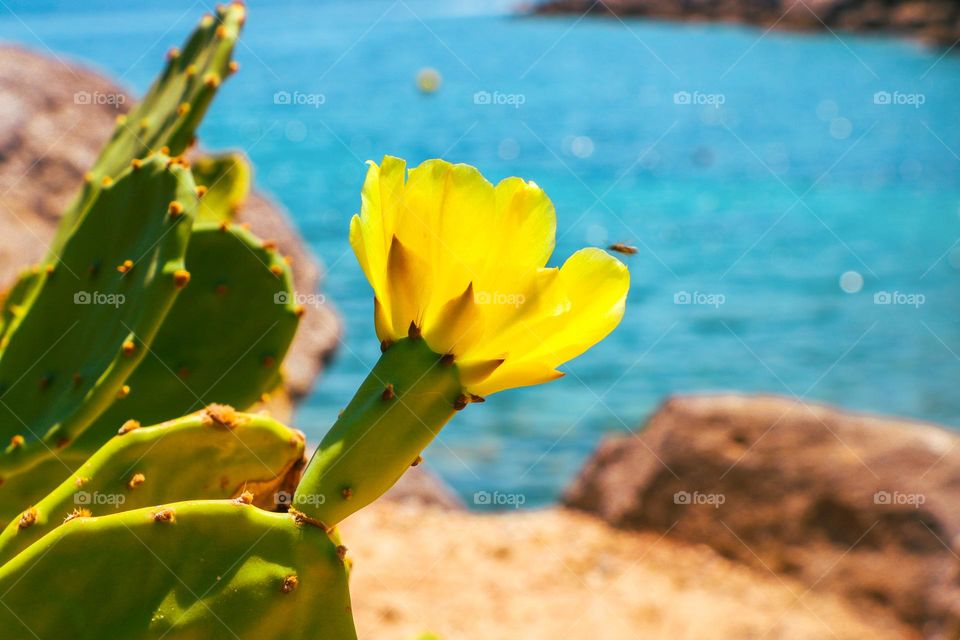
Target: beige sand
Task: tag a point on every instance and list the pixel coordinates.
(557, 574)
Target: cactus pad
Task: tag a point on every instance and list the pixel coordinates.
(144, 466)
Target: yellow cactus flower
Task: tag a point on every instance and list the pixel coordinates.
(462, 263)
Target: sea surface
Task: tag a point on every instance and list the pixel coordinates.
(794, 198)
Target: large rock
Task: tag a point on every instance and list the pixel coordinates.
(50, 136)
(935, 22)
(862, 506)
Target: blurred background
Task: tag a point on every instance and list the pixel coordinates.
(793, 197)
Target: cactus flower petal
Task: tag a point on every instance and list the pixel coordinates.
(464, 262)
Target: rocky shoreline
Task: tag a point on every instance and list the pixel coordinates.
(933, 22)
(726, 515)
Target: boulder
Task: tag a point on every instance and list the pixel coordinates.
(861, 506)
(50, 135)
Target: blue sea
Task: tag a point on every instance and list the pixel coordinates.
(794, 197)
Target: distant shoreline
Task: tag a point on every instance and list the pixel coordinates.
(935, 23)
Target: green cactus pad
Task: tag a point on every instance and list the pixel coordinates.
(17, 299)
(223, 340)
(398, 410)
(95, 310)
(169, 114)
(226, 179)
(184, 571)
(234, 452)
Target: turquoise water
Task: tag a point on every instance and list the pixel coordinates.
(785, 176)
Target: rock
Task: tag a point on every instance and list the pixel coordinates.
(50, 135)
(421, 487)
(550, 574)
(934, 22)
(864, 507)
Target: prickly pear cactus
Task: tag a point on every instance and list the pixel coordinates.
(167, 117)
(182, 571)
(96, 308)
(224, 338)
(144, 466)
(225, 179)
(413, 394)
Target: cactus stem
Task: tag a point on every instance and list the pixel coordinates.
(276, 270)
(447, 359)
(211, 80)
(136, 163)
(341, 552)
(201, 191)
(124, 391)
(128, 348)
(191, 70)
(17, 441)
(46, 381)
(384, 345)
(62, 442)
(347, 493)
(126, 266)
(173, 53)
(388, 392)
(183, 108)
(461, 402)
(80, 481)
(417, 461)
(77, 379)
(175, 209)
(245, 498)
(106, 181)
(268, 361)
(136, 480)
